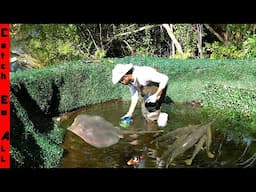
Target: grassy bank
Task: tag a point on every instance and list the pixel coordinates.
(187, 78)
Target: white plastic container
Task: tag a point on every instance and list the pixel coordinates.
(162, 119)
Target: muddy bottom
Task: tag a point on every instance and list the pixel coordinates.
(79, 154)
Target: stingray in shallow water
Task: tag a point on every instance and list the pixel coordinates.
(95, 130)
(98, 132)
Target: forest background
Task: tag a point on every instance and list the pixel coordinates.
(47, 44)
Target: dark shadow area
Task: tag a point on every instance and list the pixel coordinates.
(168, 100)
(118, 48)
(17, 127)
(32, 153)
(42, 121)
(55, 100)
(24, 143)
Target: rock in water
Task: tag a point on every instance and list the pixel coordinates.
(95, 130)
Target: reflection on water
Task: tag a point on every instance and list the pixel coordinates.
(79, 154)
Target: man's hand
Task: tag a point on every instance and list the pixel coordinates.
(126, 116)
(152, 99)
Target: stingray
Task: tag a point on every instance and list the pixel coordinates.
(95, 130)
(98, 132)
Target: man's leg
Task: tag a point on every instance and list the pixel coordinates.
(162, 98)
(149, 116)
(151, 111)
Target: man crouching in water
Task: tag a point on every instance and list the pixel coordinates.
(145, 81)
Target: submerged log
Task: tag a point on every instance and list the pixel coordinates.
(185, 138)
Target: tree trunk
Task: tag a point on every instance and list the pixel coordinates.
(214, 32)
(199, 29)
(173, 46)
(134, 31)
(173, 38)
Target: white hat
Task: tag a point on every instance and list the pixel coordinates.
(119, 71)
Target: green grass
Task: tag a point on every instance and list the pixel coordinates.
(187, 78)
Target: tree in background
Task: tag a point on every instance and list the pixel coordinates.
(232, 41)
(54, 43)
(48, 43)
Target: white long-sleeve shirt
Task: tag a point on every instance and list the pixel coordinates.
(144, 75)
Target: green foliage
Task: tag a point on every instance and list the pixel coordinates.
(234, 128)
(249, 47)
(240, 43)
(186, 36)
(230, 50)
(182, 56)
(238, 33)
(140, 43)
(234, 105)
(224, 51)
(56, 135)
(49, 152)
(55, 43)
(99, 53)
(69, 82)
(49, 43)
(17, 158)
(235, 99)
(145, 47)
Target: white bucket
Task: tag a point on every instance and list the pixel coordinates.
(162, 119)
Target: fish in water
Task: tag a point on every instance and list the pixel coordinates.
(136, 161)
(98, 132)
(95, 130)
